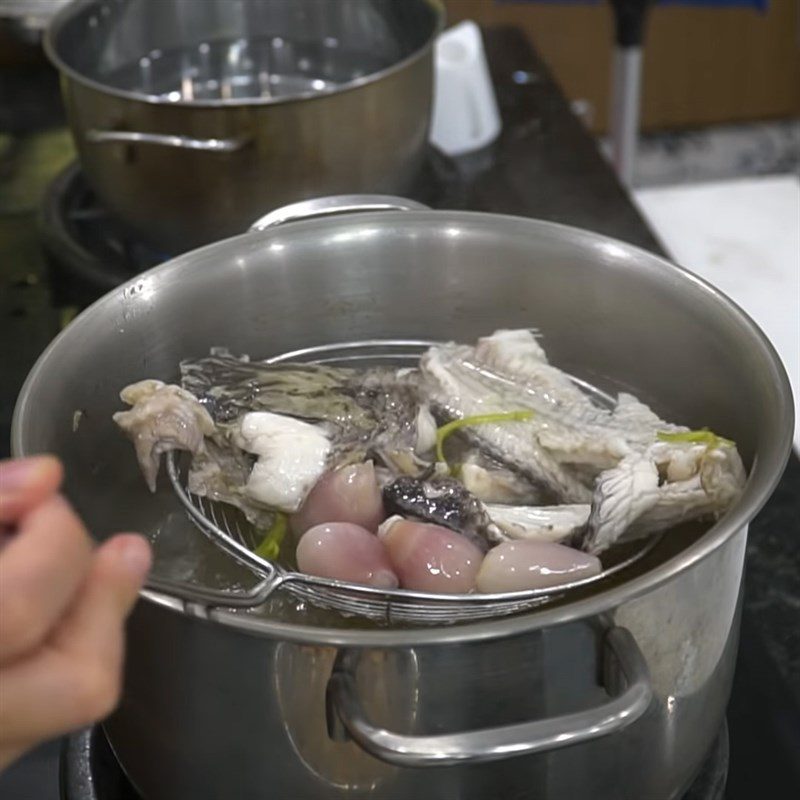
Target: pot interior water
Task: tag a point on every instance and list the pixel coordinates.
(265, 67)
(228, 50)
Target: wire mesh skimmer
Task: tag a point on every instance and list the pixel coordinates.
(229, 529)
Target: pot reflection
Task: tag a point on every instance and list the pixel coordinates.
(387, 685)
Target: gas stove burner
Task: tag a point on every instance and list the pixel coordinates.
(90, 251)
(90, 770)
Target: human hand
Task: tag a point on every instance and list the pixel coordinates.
(63, 603)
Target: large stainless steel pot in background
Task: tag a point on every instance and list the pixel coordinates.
(191, 118)
(617, 694)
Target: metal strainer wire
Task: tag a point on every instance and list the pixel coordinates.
(227, 527)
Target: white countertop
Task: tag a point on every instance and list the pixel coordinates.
(743, 236)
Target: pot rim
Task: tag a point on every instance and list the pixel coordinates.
(762, 479)
(71, 9)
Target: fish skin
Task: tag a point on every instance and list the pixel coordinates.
(573, 428)
(368, 411)
(621, 496)
(705, 483)
(518, 355)
(442, 501)
(457, 390)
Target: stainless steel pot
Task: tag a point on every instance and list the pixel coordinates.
(618, 693)
(191, 118)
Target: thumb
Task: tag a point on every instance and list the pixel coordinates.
(118, 571)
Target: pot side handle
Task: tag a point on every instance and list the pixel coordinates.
(95, 136)
(335, 204)
(493, 744)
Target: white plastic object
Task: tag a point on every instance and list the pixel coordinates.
(465, 113)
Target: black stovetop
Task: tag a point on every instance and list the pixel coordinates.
(544, 165)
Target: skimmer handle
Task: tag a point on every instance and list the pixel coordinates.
(626, 662)
(335, 204)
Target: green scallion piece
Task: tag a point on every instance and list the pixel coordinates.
(702, 436)
(270, 546)
(479, 419)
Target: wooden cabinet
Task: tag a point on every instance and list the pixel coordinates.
(701, 65)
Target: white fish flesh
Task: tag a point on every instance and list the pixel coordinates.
(490, 482)
(292, 455)
(539, 523)
(425, 431)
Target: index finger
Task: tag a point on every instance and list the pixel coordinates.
(25, 483)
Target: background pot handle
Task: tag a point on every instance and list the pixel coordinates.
(166, 140)
(492, 744)
(336, 204)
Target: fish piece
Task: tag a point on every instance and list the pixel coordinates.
(162, 417)
(517, 566)
(230, 387)
(346, 552)
(497, 484)
(621, 496)
(401, 462)
(425, 431)
(669, 483)
(491, 482)
(631, 427)
(517, 355)
(392, 398)
(539, 523)
(368, 413)
(598, 449)
(575, 430)
(220, 472)
(638, 422)
(346, 494)
(292, 455)
(702, 482)
(443, 501)
(430, 558)
(462, 390)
